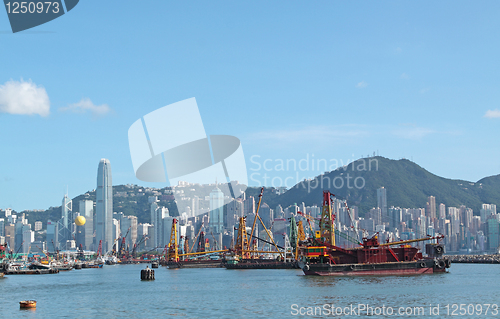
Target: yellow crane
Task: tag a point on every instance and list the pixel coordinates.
(248, 250)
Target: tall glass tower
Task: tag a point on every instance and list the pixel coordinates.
(217, 210)
(104, 206)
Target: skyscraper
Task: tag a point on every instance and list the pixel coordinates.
(158, 214)
(87, 230)
(217, 210)
(431, 207)
(382, 202)
(66, 209)
(104, 206)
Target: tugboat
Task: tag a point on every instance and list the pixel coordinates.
(320, 256)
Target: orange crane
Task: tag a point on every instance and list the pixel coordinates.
(215, 241)
(249, 242)
(196, 238)
(122, 245)
(99, 249)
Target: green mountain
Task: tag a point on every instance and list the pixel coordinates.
(408, 185)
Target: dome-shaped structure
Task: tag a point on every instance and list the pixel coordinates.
(80, 221)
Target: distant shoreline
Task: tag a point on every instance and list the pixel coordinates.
(475, 259)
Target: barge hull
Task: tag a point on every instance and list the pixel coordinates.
(262, 265)
(193, 264)
(382, 269)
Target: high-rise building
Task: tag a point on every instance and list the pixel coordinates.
(431, 207)
(2, 227)
(143, 237)
(167, 230)
(376, 215)
(382, 202)
(486, 211)
(195, 206)
(157, 215)
(66, 209)
(87, 230)
(28, 236)
(217, 210)
(442, 211)
(454, 215)
(38, 226)
(395, 217)
(493, 233)
(234, 210)
(249, 206)
(52, 236)
(128, 226)
(266, 213)
(116, 233)
(278, 212)
(104, 206)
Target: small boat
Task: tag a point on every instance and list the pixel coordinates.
(27, 304)
(2, 274)
(62, 267)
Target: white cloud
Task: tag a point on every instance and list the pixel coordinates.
(24, 97)
(424, 90)
(308, 134)
(85, 105)
(362, 85)
(412, 132)
(491, 114)
(404, 76)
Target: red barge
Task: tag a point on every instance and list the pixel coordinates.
(320, 256)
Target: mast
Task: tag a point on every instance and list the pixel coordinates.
(326, 228)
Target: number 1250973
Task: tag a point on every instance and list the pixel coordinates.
(471, 309)
(33, 7)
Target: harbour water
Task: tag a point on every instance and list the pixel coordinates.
(117, 292)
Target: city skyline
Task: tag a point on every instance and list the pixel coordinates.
(464, 230)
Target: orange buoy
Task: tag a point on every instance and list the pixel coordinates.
(27, 304)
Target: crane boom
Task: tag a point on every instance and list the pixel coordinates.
(256, 214)
(412, 240)
(196, 238)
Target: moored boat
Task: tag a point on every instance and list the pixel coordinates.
(27, 304)
(320, 256)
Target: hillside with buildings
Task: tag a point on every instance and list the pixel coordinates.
(396, 198)
(407, 184)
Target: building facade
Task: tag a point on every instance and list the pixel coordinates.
(104, 205)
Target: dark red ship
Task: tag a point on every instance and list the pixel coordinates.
(320, 256)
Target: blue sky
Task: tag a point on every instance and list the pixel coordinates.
(325, 79)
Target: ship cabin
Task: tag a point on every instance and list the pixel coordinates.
(314, 251)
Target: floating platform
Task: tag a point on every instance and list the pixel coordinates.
(194, 264)
(424, 266)
(31, 271)
(261, 264)
(92, 265)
